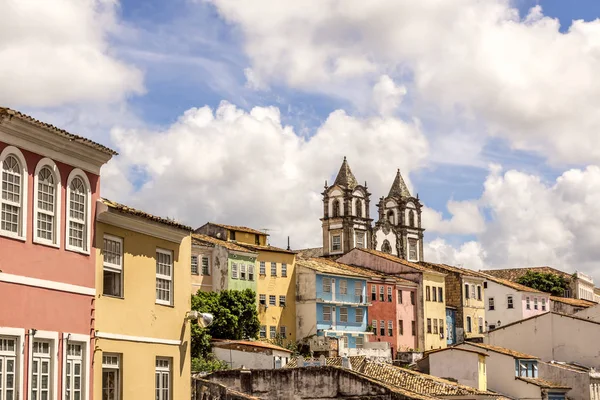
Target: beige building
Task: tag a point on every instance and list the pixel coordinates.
(467, 367)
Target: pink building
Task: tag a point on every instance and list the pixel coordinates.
(49, 186)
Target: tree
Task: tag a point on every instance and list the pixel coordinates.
(545, 282)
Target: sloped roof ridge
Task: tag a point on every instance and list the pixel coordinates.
(345, 177)
(399, 188)
(142, 214)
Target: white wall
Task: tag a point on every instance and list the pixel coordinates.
(250, 360)
(501, 311)
(391, 237)
(592, 313)
(578, 381)
(460, 365)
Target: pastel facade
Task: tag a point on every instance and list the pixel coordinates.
(467, 367)
(49, 185)
(142, 347)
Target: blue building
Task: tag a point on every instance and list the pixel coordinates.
(331, 301)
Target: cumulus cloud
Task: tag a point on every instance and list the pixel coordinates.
(247, 168)
(387, 96)
(527, 81)
(57, 52)
(466, 219)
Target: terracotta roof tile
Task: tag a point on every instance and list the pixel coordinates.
(512, 274)
(355, 361)
(132, 211)
(501, 350)
(8, 113)
(256, 343)
(393, 258)
(451, 269)
(429, 352)
(311, 252)
(573, 302)
(544, 384)
(257, 247)
(510, 284)
(240, 229)
(329, 267)
(204, 240)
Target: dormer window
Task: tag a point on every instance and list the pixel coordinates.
(526, 368)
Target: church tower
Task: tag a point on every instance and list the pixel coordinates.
(398, 230)
(346, 223)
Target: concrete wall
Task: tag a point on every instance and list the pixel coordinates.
(591, 313)
(306, 306)
(250, 360)
(206, 390)
(578, 381)
(456, 364)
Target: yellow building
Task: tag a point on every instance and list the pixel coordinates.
(142, 338)
(434, 310)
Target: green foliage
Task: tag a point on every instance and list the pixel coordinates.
(208, 364)
(545, 282)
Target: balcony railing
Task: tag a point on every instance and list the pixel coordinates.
(341, 298)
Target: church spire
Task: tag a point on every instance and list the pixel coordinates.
(345, 177)
(399, 188)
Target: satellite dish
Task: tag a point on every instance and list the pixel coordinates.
(205, 319)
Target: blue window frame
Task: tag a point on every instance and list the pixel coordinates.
(526, 368)
(556, 396)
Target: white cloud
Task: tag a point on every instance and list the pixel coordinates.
(522, 77)
(387, 96)
(246, 168)
(466, 219)
(468, 255)
(56, 52)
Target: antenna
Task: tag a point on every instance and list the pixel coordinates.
(289, 248)
(266, 231)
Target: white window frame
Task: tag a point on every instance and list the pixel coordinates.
(359, 315)
(167, 278)
(55, 242)
(113, 267)
(544, 304)
(283, 331)
(323, 312)
(481, 326)
(51, 337)
(11, 150)
(344, 314)
(535, 303)
(333, 249)
(196, 258)
(272, 331)
(282, 304)
(510, 302)
(161, 370)
(262, 333)
(114, 367)
(243, 274)
(272, 300)
(469, 323)
(359, 243)
(88, 211)
(390, 331)
(273, 269)
(326, 286)
(19, 335)
(527, 303)
(234, 271)
(491, 304)
(262, 268)
(201, 258)
(360, 342)
(84, 341)
(343, 286)
(251, 272)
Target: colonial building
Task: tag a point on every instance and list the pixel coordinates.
(50, 180)
(465, 366)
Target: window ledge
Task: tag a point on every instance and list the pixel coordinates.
(11, 235)
(164, 304)
(113, 297)
(77, 250)
(43, 242)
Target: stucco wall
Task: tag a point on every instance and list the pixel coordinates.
(241, 284)
(578, 381)
(306, 309)
(460, 365)
(591, 313)
(200, 281)
(406, 312)
(433, 310)
(255, 360)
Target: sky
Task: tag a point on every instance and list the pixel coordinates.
(238, 111)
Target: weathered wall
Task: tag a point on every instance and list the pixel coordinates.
(579, 381)
(592, 313)
(460, 365)
(207, 390)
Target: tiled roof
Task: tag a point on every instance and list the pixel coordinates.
(355, 361)
(311, 252)
(240, 229)
(502, 350)
(510, 284)
(573, 302)
(570, 366)
(257, 343)
(205, 240)
(330, 267)
(544, 384)
(399, 188)
(451, 269)
(132, 211)
(8, 113)
(429, 352)
(512, 274)
(345, 178)
(393, 258)
(257, 247)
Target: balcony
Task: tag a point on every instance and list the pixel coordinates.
(336, 298)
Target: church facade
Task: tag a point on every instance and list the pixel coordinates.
(347, 224)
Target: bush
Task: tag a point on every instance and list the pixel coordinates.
(208, 364)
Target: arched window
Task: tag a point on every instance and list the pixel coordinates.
(390, 216)
(358, 206)
(14, 193)
(336, 208)
(46, 203)
(386, 247)
(78, 209)
(411, 218)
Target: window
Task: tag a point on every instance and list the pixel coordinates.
(469, 324)
(343, 314)
(359, 316)
(412, 298)
(343, 286)
(390, 328)
(359, 342)
(526, 368)
(442, 328)
(41, 370)
(14, 194)
(440, 295)
(527, 303)
(435, 326)
(205, 266)
(543, 304)
(358, 208)
(428, 325)
(466, 290)
(336, 243)
(113, 266)
(327, 285)
(194, 263)
(427, 293)
(164, 277)
(77, 215)
(273, 269)
(478, 292)
(46, 201)
(491, 304)
(8, 368)
(413, 328)
(243, 272)
(473, 291)
(358, 289)
(282, 332)
(326, 313)
(262, 299)
(272, 300)
(509, 301)
(382, 328)
(345, 340)
(374, 322)
(284, 270)
(381, 293)
(412, 249)
(485, 285)
(234, 271)
(535, 303)
(262, 269)
(336, 208)
(263, 331)
(399, 296)
(480, 324)
(386, 247)
(111, 376)
(257, 240)
(272, 332)
(556, 396)
(74, 372)
(281, 301)
(400, 327)
(434, 293)
(231, 235)
(411, 218)
(250, 272)
(373, 292)
(390, 216)
(389, 294)
(360, 240)
(491, 327)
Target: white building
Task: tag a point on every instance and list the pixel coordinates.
(251, 354)
(465, 366)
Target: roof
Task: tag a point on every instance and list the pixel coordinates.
(132, 211)
(372, 274)
(258, 247)
(257, 343)
(8, 113)
(544, 315)
(205, 240)
(327, 266)
(503, 350)
(573, 302)
(356, 362)
(398, 260)
(570, 366)
(429, 352)
(311, 252)
(544, 384)
(512, 274)
(240, 229)
(345, 178)
(399, 188)
(511, 284)
(452, 269)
